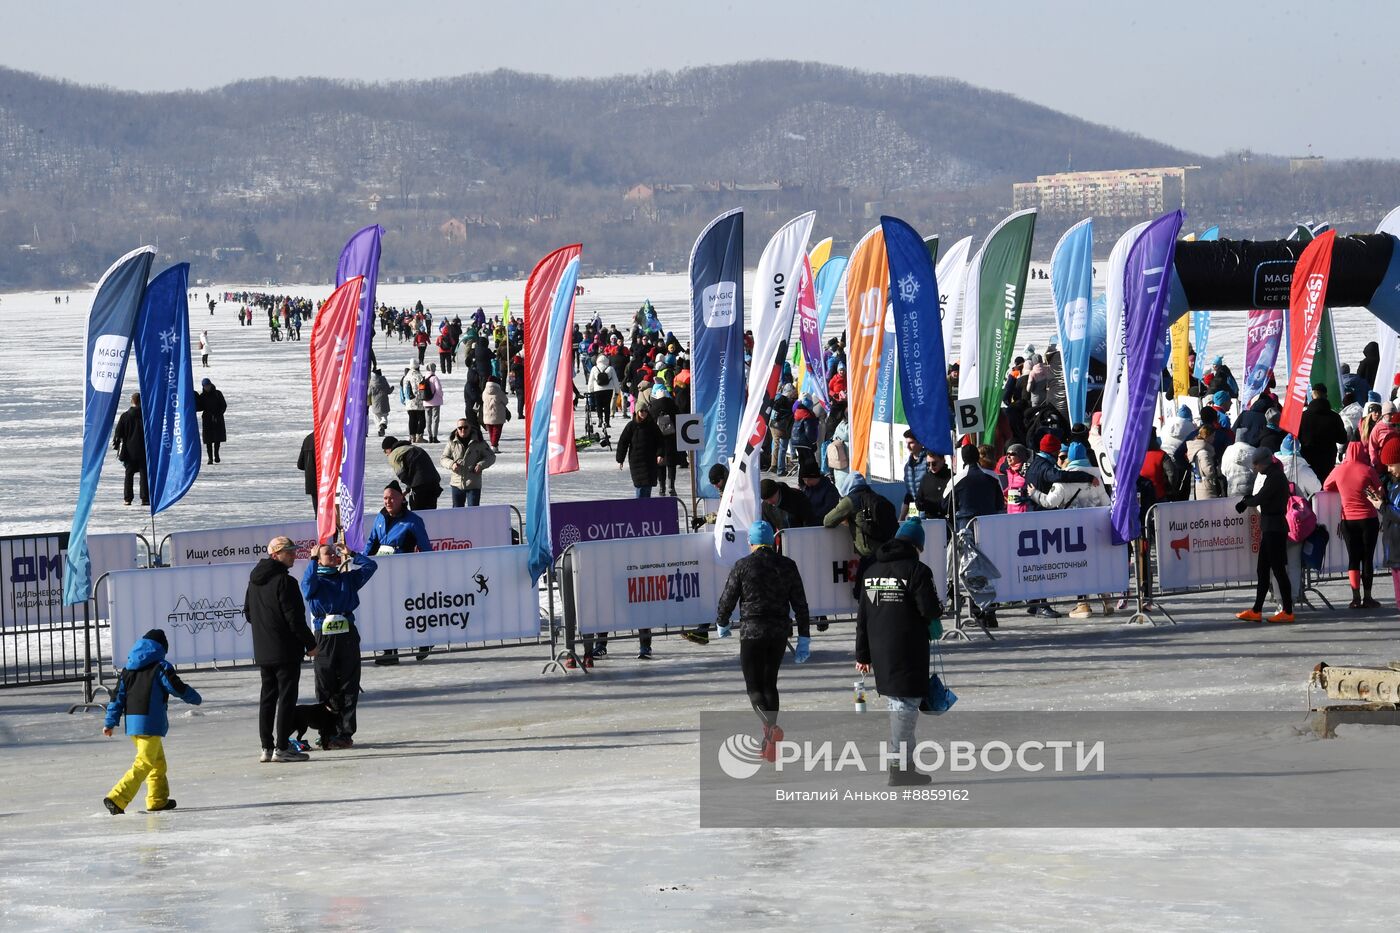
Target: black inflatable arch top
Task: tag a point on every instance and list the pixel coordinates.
(1238, 275)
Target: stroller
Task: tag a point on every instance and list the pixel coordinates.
(978, 576)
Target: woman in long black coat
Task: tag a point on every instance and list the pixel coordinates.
(211, 406)
(640, 445)
(664, 413)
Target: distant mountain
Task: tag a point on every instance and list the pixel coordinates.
(265, 179)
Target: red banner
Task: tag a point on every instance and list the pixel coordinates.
(539, 299)
(1306, 300)
(332, 351)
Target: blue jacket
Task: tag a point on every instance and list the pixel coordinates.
(405, 534)
(337, 592)
(145, 687)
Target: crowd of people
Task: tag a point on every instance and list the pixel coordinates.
(1216, 444)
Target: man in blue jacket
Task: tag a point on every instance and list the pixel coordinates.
(142, 693)
(397, 530)
(331, 586)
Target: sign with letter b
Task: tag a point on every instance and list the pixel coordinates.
(967, 416)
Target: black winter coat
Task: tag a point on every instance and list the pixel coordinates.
(823, 497)
(274, 608)
(1272, 501)
(129, 439)
(930, 501)
(897, 601)
(471, 391)
(666, 405)
(1320, 430)
(765, 585)
(211, 407)
(417, 471)
(639, 445)
(798, 507)
(306, 462)
(978, 493)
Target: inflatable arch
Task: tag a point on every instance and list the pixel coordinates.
(1240, 275)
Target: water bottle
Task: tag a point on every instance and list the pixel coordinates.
(860, 695)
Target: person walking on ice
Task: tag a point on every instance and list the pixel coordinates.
(765, 585)
(894, 626)
(142, 693)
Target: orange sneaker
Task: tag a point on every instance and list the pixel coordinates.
(1249, 615)
(1281, 616)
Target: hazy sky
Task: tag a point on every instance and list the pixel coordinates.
(1207, 76)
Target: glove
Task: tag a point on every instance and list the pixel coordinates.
(804, 649)
(935, 629)
(724, 631)
(1240, 506)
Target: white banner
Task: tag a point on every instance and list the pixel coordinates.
(632, 583)
(413, 599)
(1064, 552)
(449, 529)
(1327, 506)
(828, 564)
(951, 273)
(1115, 389)
(1204, 542)
(33, 576)
(774, 301)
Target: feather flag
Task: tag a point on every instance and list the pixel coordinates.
(332, 366)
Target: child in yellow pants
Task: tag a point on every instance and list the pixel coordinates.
(142, 694)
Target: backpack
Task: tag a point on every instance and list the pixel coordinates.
(875, 518)
(1315, 548)
(1302, 521)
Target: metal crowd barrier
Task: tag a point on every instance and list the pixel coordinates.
(43, 641)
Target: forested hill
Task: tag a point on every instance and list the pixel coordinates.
(484, 173)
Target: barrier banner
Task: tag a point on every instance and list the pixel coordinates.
(33, 568)
(451, 530)
(1327, 506)
(607, 519)
(1042, 555)
(825, 558)
(1204, 542)
(443, 597)
(672, 581)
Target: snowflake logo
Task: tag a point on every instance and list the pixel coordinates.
(568, 535)
(168, 340)
(908, 289)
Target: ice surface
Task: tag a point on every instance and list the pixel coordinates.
(482, 795)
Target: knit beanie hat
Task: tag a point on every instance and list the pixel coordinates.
(1049, 444)
(912, 530)
(761, 533)
(1390, 451)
